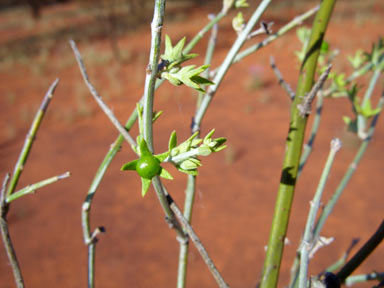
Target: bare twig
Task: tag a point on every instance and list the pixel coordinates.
(9, 195)
(98, 98)
(364, 278)
(7, 238)
(298, 20)
(350, 171)
(32, 188)
(309, 240)
(344, 257)
(30, 138)
(265, 28)
(282, 82)
(199, 246)
(305, 106)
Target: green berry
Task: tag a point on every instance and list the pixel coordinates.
(148, 167)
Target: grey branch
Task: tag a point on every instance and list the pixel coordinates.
(305, 106)
(265, 28)
(7, 238)
(199, 246)
(282, 82)
(98, 98)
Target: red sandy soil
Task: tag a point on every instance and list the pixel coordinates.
(236, 188)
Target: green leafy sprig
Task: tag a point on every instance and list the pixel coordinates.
(172, 59)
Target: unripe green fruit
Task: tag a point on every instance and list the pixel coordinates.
(148, 167)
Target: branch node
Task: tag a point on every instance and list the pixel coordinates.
(305, 106)
(182, 240)
(96, 232)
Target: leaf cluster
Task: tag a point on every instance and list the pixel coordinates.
(171, 70)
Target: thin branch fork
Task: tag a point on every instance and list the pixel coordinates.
(7, 238)
(265, 28)
(19, 166)
(282, 82)
(305, 106)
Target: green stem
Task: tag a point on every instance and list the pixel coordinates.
(30, 139)
(293, 151)
(32, 188)
(208, 59)
(152, 68)
(339, 263)
(362, 254)
(150, 81)
(347, 176)
(202, 32)
(361, 120)
(308, 239)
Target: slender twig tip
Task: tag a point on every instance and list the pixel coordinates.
(336, 144)
(65, 175)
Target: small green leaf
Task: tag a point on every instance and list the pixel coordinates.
(324, 49)
(238, 22)
(347, 120)
(241, 4)
(161, 157)
(143, 149)
(165, 174)
(172, 140)
(188, 74)
(220, 148)
(204, 150)
(357, 60)
(156, 116)
(175, 152)
(351, 124)
(174, 54)
(174, 80)
(190, 164)
(145, 183)
(129, 166)
(220, 141)
(201, 80)
(303, 34)
(367, 110)
(189, 172)
(208, 137)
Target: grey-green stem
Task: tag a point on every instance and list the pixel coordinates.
(4, 207)
(308, 239)
(350, 171)
(151, 72)
(227, 63)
